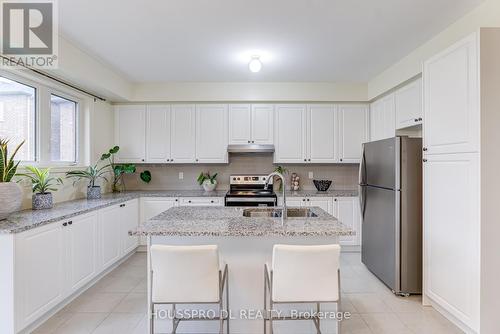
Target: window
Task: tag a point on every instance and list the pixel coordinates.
(63, 129)
(17, 117)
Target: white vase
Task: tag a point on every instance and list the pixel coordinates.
(10, 198)
(209, 186)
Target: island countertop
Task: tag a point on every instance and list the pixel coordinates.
(230, 222)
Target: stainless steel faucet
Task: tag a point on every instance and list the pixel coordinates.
(284, 214)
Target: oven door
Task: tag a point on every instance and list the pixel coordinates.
(250, 201)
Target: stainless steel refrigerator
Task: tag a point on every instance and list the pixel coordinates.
(390, 180)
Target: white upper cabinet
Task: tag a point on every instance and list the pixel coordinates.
(130, 133)
(262, 124)
(290, 137)
(352, 131)
(240, 124)
(251, 124)
(183, 142)
(211, 133)
(158, 133)
(451, 101)
(383, 118)
(408, 100)
(321, 139)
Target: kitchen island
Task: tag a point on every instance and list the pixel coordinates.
(245, 238)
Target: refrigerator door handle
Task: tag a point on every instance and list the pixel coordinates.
(362, 167)
(362, 204)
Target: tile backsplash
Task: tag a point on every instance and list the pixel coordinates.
(166, 177)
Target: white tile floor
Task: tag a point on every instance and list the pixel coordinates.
(117, 304)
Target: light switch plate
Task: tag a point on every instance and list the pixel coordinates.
(311, 175)
(181, 175)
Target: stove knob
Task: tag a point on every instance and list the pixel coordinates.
(234, 179)
(238, 179)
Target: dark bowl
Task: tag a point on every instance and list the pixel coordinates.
(322, 185)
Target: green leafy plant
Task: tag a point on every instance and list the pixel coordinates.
(41, 181)
(206, 176)
(118, 170)
(92, 174)
(8, 167)
(283, 171)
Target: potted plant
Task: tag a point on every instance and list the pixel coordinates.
(92, 174)
(10, 192)
(42, 184)
(117, 170)
(208, 182)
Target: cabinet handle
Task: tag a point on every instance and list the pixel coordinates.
(305, 159)
(122, 205)
(416, 119)
(424, 160)
(249, 141)
(196, 159)
(308, 199)
(341, 160)
(177, 200)
(335, 200)
(424, 149)
(65, 224)
(70, 222)
(142, 159)
(309, 159)
(168, 160)
(303, 200)
(189, 201)
(253, 141)
(420, 118)
(211, 201)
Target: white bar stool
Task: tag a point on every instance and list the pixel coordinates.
(302, 275)
(188, 275)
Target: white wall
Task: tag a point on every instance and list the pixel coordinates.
(485, 15)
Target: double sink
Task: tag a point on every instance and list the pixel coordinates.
(277, 213)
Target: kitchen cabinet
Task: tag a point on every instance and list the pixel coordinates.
(290, 127)
(201, 201)
(251, 124)
(211, 133)
(346, 210)
(39, 268)
(109, 242)
(153, 206)
(321, 135)
(383, 118)
(408, 104)
(325, 203)
(352, 131)
(80, 237)
(129, 214)
(451, 259)
(183, 140)
(451, 103)
(158, 132)
(130, 133)
(293, 201)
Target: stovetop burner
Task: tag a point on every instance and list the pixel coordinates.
(249, 190)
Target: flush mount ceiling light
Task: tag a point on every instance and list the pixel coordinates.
(255, 65)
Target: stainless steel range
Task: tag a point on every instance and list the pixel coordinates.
(249, 190)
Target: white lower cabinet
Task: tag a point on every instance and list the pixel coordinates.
(153, 206)
(110, 245)
(39, 272)
(201, 201)
(325, 203)
(346, 210)
(81, 245)
(129, 220)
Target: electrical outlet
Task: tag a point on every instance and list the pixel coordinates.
(181, 176)
(311, 175)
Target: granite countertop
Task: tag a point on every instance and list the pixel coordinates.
(315, 193)
(229, 222)
(29, 219)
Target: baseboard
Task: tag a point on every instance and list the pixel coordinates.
(454, 320)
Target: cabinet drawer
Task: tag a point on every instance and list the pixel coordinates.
(201, 201)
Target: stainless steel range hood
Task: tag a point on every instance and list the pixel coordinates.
(250, 148)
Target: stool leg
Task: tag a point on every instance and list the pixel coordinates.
(174, 323)
(316, 322)
(265, 300)
(227, 303)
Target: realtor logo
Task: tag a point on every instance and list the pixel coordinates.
(29, 35)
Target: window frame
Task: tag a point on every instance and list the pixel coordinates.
(43, 89)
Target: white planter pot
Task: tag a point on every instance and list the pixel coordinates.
(10, 198)
(209, 186)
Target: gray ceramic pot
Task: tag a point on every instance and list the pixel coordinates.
(94, 192)
(42, 201)
(10, 198)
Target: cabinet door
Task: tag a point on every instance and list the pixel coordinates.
(293, 201)
(321, 134)
(40, 271)
(110, 243)
(325, 203)
(388, 120)
(129, 221)
(158, 134)
(240, 123)
(262, 124)
(347, 212)
(201, 201)
(81, 246)
(290, 128)
(352, 132)
(130, 135)
(151, 207)
(211, 133)
(408, 100)
(452, 234)
(183, 143)
(451, 102)
(376, 120)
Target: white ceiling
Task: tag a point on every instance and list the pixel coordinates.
(212, 40)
